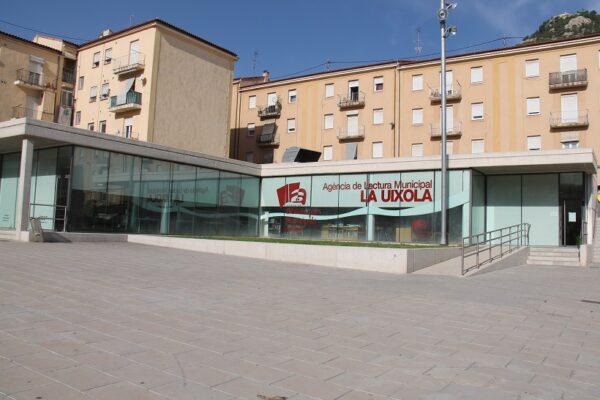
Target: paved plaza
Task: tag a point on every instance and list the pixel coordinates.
(122, 321)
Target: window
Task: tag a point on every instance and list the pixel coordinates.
(377, 149)
(532, 68)
(96, 59)
(91, 126)
(102, 126)
(77, 118)
(477, 146)
(417, 82)
(268, 156)
(329, 89)
(378, 84)
(328, 121)
(252, 102)
(93, 93)
(272, 99)
(251, 129)
(66, 98)
(476, 74)
(351, 151)
(476, 111)
(417, 116)
(533, 106)
(250, 156)
(105, 91)
(534, 142)
(378, 116)
(573, 144)
(416, 150)
(449, 147)
(80, 83)
(291, 125)
(292, 96)
(327, 153)
(107, 56)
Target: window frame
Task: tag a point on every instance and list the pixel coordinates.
(80, 82)
(291, 129)
(418, 146)
(251, 102)
(90, 126)
(93, 89)
(330, 148)
(253, 129)
(480, 81)
(539, 139)
(295, 96)
(528, 62)
(108, 60)
(325, 119)
(539, 106)
(96, 60)
(477, 141)
(418, 89)
(373, 145)
(413, 113)
(476, 117)
(376, 83)
(327, 87)
(377, 111)
(101, 125)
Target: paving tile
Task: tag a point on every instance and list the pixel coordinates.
(313, 387)
(102, 361)
(184, 390)
(44, 361)
(17, 379)
(143, 375)
(124, 391)
(52, 391)
(83, 378)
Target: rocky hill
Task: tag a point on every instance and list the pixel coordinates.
(566, 25)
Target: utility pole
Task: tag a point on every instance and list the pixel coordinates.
(444, 33)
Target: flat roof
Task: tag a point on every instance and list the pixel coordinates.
(47, 134)
(156, 21)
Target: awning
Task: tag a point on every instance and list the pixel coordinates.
(122, 96)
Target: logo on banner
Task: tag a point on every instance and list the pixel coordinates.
(291, 194)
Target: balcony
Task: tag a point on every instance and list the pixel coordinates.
(267, 140)
(68, 76)
(29, 80)
(454, 129)
(272, 111)
(353, 100)
(568, 79)
(453, 93)
(23, 112)
(131, 101)
(569, 119)
(351, 134)
(128, 135)
(129, 63)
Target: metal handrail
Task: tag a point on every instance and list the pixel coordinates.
(269, 111)
(24, 112)
(128, 62)
(569, 118)
(453, 129)
(351, 100)
(344, 133)
(484, 244)
(53, 218)
(568, 78)
(29, 77)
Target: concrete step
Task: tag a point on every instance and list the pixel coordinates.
(546, 250)
(551, 258)
(554, 263)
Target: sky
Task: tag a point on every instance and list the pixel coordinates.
(297, 37)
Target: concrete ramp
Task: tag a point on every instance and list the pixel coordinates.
(452, 267)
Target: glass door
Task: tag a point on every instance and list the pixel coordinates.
(571, 201)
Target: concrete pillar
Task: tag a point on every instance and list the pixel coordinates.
(370, 227)
(23, 191)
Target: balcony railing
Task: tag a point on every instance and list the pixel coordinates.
(24, 112)
(68, 76)
(269, 111)
(131, 101)
(29, 79)
(353, 100)
(268, 139)
(453, 93)
(351, 134)
(129, 63)
(568, 79)
(128, 135)
(569, 119)
(451, 130)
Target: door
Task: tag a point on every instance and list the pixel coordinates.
(353, 90)
(449, 119)
(134, 49)
(568, 108)
(36, 66)
(128, 127)
(271, 99)
(568, 63)
(32, 106)
(571, 222)
(449, 82)
(352, 125)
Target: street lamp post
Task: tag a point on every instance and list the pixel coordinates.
(444, 33)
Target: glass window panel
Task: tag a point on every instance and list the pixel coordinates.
(155, 197)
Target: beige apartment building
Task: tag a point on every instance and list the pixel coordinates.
(529, 97)
(345, 114)
(36, 78)
(157, 83)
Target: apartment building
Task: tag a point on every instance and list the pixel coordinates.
(528, 97)
(345, 114)
(156, 83)
(36, 78)
(531, 97)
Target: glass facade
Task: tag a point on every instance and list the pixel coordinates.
(387, 207)
(9, 178)
(113, 192)
(82, 189)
